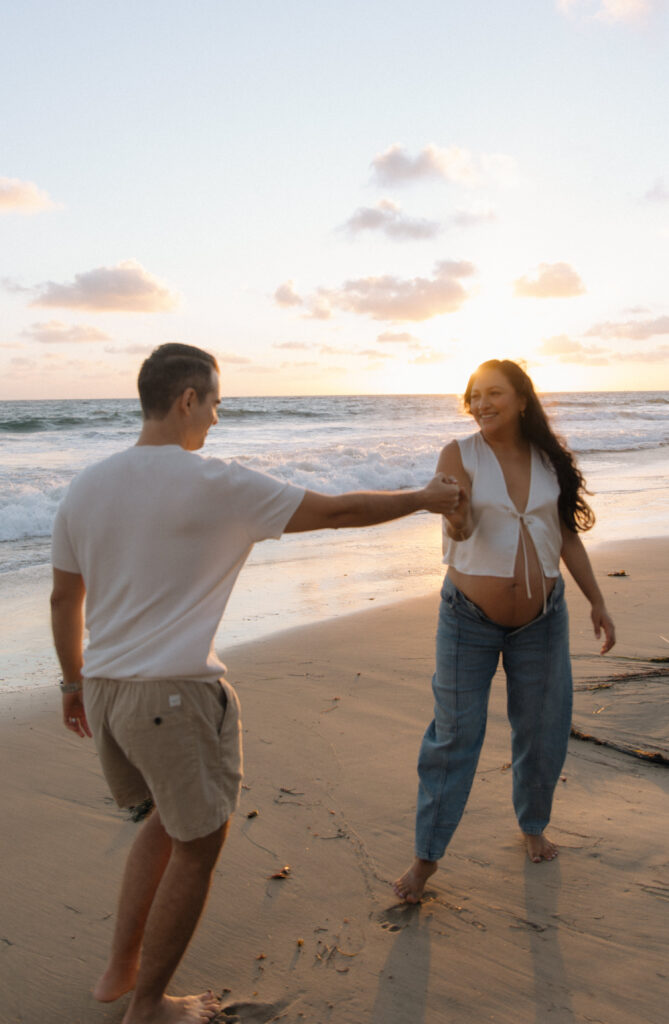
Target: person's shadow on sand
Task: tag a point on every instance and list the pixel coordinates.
(551, 989)
(403, 981)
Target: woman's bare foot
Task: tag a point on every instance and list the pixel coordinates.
(185, 1010)
(411, 885)
(540, 848)
(116, 981)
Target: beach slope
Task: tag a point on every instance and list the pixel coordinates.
(333, 715)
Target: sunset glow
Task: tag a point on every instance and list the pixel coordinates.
(368, 204)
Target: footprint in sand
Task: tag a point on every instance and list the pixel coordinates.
(396, 918)
(250, 1013)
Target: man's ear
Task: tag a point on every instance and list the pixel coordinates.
(188, 399)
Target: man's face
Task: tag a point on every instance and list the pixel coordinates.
(203, 415)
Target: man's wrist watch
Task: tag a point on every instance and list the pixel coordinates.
(69, 687)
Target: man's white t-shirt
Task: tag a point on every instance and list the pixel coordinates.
(159, 535)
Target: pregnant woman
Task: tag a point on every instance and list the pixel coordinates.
(520, 511)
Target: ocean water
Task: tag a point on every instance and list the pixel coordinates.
(328, 444)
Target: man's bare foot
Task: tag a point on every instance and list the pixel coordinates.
(116, 981)
(540, 848)
(411, 885)
(185, 1010)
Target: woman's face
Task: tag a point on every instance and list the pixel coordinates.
(495, 404)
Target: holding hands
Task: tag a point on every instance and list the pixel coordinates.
(443, 495)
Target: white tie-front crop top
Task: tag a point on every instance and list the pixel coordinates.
(492, 547)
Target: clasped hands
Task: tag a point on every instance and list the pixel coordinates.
(445, 496)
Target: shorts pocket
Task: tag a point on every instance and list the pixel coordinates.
(163, 744)
(223, 702)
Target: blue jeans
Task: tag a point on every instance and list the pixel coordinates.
(539, 700)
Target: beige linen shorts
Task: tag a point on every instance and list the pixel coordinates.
(175, 740)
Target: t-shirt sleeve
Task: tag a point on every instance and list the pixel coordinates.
(266, 503)
(62, 553)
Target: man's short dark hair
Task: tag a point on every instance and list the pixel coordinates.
(166, 374)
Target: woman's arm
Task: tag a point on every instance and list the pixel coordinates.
(459, 524)
(575, 557)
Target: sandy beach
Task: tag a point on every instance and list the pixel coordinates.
(333, 715)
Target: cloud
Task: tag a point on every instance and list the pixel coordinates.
(657, 355)
(291, 344)
(14, 287)
(53, 362)
(319, 307)
(393, 298)
(23, 197)
(128, 350)
(472, 218)
(54, 332)
(608, 10)
(659, 193)
(636, 330)
(388, 218)
(431, 356)
(336, 350)
(550, 281)
(258, 368)
(398, 336)
(125, 288)
(374, 353)
(414, 299)
(456, 165)
(285, 295)
(233, 358)
(569, 351)
(22, 363)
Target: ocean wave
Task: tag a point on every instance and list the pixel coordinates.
(27, 510)
(35, 424)
(600, 399)
(28, 424)
(622, 447)
(327, 444)
(227, 413)
(29, 515)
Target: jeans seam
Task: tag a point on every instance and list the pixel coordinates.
(444, 766)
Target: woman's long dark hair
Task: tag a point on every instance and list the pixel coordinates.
(574, 510)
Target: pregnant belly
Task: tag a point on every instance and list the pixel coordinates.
(505, 599)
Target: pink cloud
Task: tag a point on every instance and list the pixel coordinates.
(125, 288)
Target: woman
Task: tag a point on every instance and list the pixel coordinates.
(520, 510)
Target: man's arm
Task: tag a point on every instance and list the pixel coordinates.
(366, 508)
(575, 557)
(67, 624)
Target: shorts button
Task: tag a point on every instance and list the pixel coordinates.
(157, 721)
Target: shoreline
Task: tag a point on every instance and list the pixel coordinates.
(283, 580)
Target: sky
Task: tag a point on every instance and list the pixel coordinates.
(334, 196)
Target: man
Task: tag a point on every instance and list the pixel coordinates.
(154, 538)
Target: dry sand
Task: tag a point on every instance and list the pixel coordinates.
(333, 715)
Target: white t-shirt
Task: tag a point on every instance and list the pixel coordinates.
(160, 535)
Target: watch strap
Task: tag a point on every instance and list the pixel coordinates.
(69, 687)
